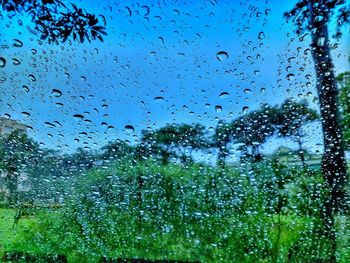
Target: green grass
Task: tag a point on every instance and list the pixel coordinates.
(194, 213)
(175, 244)
(179, 247)
(8, 232)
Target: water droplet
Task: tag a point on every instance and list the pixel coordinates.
(161, 40)
(57, 122)
(56, 93)
(25, 114)
(129, 128)
(218, 108)
(247, 91)
(290, 77)
(59, 104)
(224, 95)
(245, 109)
(49, 124)
(261, 35)
(146, 10)
(2, 62)
(222, 56)
(291, 59)
(16, 62)
(158, 99)
(32, 77)
(25, 88)
(129, 12)
(78, 117)
(309, 94)
(17, 43)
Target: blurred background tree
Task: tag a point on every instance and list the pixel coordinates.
(56, 22)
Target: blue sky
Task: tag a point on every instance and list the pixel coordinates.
(170, 53)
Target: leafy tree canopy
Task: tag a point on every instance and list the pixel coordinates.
(303, 14)
(344, 100)
(56, 22)
(292, 116)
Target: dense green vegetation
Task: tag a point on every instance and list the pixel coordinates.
(184, 213)
(159, 199)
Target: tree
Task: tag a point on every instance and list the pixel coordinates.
(252, 130)
(173, 141)
(160, 143)
(221, 139)
(291, 116)
(55, 22)
(190, 138)
(116, 149)
(314, 16)
(344, 101)
(49, 178)
(17, 154)
(82, 159)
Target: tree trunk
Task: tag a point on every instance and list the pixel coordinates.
(12, 186)
(301, 153)
(333, 160)
(223, 153)
(140, 183)
(256, 156)
(165, 157)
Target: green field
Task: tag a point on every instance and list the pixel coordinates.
(179, 248)
(183, 214)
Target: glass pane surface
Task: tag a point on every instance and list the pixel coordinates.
(174, 131)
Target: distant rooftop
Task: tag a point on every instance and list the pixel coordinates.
(7, 126)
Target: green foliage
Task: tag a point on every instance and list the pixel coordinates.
(221, 139)
(179, 211)
(173, 141)
(292, 115)
(126, 208)
(144, 210)
(344, 101)
(17, 154)
(55, 22)
(117, 150)
(253, 129)
(311, 246)
(303, 14)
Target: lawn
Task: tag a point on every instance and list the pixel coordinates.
(9, 232)
(9, 238)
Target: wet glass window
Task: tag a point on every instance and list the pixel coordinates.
(174, 131)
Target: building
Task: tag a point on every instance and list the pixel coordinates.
(292, 158)
(7, 126)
